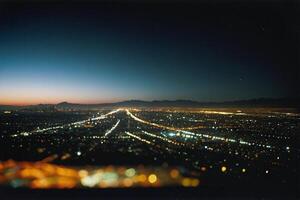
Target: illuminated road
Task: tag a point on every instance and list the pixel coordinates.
(105, 115)
(112, 129)
(137, 137)
(78, 123)
(183, 131)
(159, 125)
(162, 138)
(188, 134)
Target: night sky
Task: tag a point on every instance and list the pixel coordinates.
(108, 52)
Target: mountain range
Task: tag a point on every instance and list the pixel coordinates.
(261, 102)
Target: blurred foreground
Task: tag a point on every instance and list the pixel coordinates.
(43, 175)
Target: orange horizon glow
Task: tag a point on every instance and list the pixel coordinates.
(52, 101)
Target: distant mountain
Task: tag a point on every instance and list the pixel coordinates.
(75, 106)
(8, 107)
(130, 103)
(261, 102)
(39, 107)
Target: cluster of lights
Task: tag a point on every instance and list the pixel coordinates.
(159, 125)
(183, 131)
(224, 139)
(45, 175)
(188, 134)
(75, 124)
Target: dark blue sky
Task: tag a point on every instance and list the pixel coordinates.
(103, 52)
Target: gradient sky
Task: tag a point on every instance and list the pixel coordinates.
(107, 52)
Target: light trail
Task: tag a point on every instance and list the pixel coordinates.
(188, 133)
(225, 139)
(222, 112)
(107, 114)
(162, 138)
(193, 128)
(158, 125)
(184, 131)
(149, 123)
(137, 137)
(162, 126)
(113, 128)
(66, 125)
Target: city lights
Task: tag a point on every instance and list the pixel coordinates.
(222, 144)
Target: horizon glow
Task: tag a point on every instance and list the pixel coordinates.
(98, 54)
